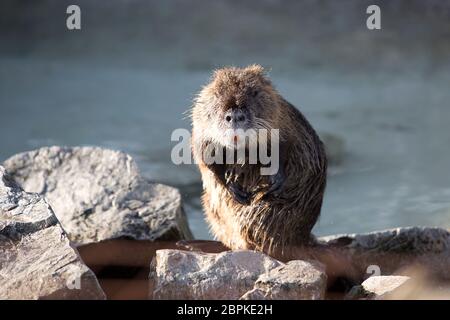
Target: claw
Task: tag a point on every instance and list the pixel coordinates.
(276, 182)
(238, 194)
(229, 175)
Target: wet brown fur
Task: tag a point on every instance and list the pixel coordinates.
(273, 223)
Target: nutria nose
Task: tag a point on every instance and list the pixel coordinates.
(235, 117)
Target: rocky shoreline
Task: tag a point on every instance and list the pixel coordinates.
(81, 223)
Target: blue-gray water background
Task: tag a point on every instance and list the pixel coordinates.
(126, 78)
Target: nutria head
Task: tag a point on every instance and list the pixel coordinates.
(235, 98)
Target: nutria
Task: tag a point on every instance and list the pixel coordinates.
(246, 210)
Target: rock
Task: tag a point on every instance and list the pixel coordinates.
(233, 275)
(378, 287)
(357, 293)
(195, 275)
(394, 250)
(255, 294)
(98, 194)
(292, 281)
(36, 258)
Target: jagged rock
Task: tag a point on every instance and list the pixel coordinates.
(98, 194)
(394, 250)
(36, 259)
(292, 281)
(233, 275)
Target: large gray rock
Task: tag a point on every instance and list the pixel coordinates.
(36, 258)
(98, 194)
(195, 275)
(396, 250)
(232, 275)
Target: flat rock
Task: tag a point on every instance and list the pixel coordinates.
(234, 275)
(36, 258)
(392, 251)
(379, 287)
(98, 194)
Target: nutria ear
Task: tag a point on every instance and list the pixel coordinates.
(256, 71)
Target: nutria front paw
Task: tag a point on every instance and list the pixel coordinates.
(276, 184)
(241, 196)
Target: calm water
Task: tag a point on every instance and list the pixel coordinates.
(394, 172)
(124, 84)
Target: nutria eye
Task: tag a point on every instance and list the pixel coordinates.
(255, 93)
